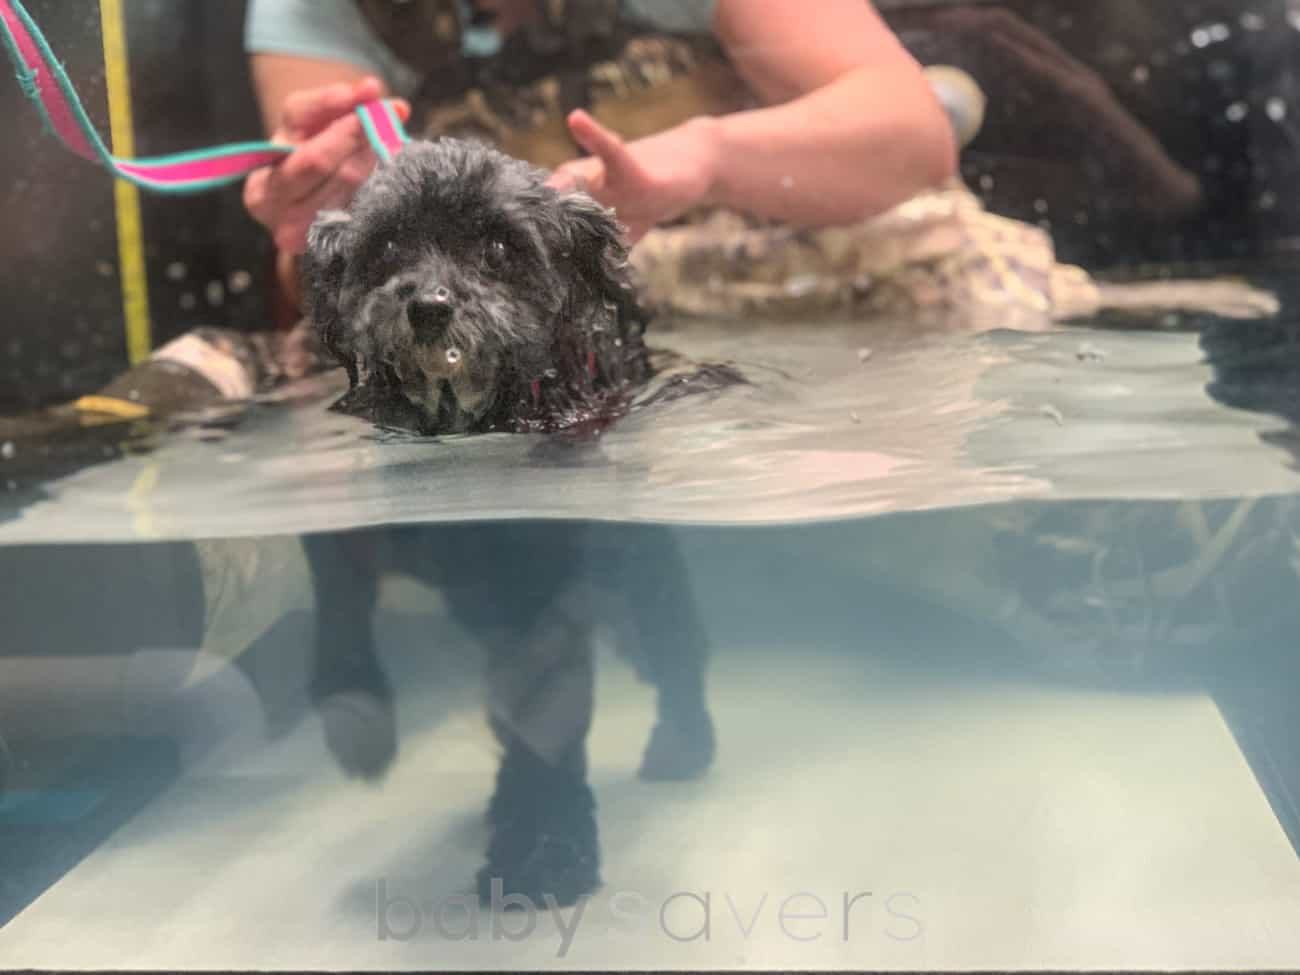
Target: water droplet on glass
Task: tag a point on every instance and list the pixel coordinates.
(133, 396)
(855, 418)
(1141, 74)
(552, 374)
(1275, 108)
(1293, 13)
(1237, 111)
(787, 182)
(189, 302)
(7, 451)
(176, 271)
(216, 294)
(986, 182)
(1040, 205)
(1267, 200)
(104, 269)
(240, 281)
(453, 356)
(1251, 21)
(864, 354)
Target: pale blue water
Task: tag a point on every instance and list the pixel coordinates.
(1002, 630)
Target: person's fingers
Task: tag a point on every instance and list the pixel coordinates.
(307, 113)
(582, 175)
(604, 144)
(316, 161)
(294, 220)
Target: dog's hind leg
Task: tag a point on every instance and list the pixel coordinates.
(661, 627)
(348, 685)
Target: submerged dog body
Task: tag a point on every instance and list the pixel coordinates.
(463, 295)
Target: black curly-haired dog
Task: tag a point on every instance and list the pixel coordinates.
(463, 295)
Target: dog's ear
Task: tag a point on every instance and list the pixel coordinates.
(597, 246)
(323, 267)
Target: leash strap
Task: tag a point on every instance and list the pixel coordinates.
(45, 82)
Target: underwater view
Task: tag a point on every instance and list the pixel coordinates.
(586, 486)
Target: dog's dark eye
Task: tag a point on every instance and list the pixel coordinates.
(495, 255)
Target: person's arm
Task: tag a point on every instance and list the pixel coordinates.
(851, 127)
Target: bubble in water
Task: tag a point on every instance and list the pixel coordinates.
(7, 451)
(1141, 74)
(176, 271)
(1276, 109)
(240, 281)
(1208, 34)
(453, 356)
(1237, 111)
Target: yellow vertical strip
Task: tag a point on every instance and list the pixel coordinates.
(130, 233)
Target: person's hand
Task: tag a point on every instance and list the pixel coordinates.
(331, 159)
(648, 181)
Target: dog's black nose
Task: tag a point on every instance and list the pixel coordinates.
(430, 312)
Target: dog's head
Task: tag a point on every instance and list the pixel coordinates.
(462, 287)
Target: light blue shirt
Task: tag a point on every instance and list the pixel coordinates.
(335, 30)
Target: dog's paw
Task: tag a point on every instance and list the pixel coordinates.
(361, 732)
(545, 848)
(679, 751)
(551, 871)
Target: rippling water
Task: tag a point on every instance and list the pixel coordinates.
(1003, 637)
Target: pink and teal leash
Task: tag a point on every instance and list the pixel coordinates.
(45, 82)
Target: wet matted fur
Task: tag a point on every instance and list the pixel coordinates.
(463, 295)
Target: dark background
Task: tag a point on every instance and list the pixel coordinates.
(64, 336)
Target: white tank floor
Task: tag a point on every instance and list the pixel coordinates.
(993, 825)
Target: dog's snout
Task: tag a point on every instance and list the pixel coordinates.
(430, 312)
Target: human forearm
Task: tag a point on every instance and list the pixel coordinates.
(844, 152)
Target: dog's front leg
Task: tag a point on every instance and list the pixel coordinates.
(348, 685)
(541, 696)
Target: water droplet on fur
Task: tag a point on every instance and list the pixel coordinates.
(7, 451)
(453, 356)
(1040, 205)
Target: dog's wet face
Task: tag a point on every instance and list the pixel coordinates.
(456, 276)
